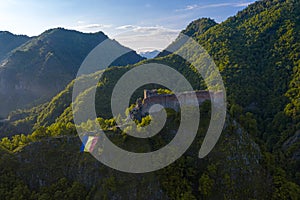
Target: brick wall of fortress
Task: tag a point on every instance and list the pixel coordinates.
(170, 100)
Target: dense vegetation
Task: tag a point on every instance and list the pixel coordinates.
(257, 157)
(259, 61)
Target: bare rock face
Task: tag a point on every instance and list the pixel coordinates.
(292, 144)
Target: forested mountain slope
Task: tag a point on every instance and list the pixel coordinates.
(39, 69)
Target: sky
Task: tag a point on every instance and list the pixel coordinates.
(142, 25)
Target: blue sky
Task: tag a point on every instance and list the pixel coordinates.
(141, 25)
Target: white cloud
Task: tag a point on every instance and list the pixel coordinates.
(84, 27)
(142, 38)
(92, 26)
(243, 4)
(80, 22)
(147, 29)
(125, 27)
(191, 7)
(216, 5)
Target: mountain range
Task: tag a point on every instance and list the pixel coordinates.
(150, 54)
(35, 71)
(257, 52)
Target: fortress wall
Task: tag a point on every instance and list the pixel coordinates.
(217, 97)
(167, 101)
(170, 100)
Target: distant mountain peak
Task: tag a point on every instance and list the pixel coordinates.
(149, 54)
(6, 32)
(63, 32)
(10, 41)
(9, 33)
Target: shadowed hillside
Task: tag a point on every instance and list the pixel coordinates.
(39, 69)
(9, 42)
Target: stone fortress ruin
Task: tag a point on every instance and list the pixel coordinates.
(152, 97)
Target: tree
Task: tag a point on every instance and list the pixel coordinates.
(206, 185)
